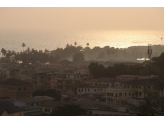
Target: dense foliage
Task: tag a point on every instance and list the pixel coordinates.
(96, 53)
(69, 110)
(156, 68)
(78, 57)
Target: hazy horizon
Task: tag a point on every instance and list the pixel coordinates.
(81, 18)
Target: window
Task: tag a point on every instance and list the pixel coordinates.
(128, 86)
(88, 90)
(72, 89)
(132, 86)
(19, 88)
(129, 93)
(24, 88)
(140, 93)
(95, 90)
(85, 90)
(20, 114)
(48, 110)
(120, 94)
(125, 94)
(116, 94)
(136, 86)
(139, 87)
(148, 87)
(79, 90)
(98, 89)
(153, 86)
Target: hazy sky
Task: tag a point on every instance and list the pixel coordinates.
(59, 18)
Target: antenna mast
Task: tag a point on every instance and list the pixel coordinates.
(149, 51)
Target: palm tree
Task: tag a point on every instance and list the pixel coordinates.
(2, 50)
(75, 44)
(28, 50)
(87, 44)
(23, 45)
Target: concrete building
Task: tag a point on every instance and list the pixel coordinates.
(15, 89)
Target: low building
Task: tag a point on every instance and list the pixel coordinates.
(118, 95)
(104, 82)
(48, 107)
(82, 90)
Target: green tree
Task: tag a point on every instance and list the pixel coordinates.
(78, 57)
(147, 108)
(38, 92)
(69, 110)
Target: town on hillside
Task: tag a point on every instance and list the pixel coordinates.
(37, 83)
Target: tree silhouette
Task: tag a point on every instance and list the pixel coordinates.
(87, 44)
(78, 57)
(23, 45)
(75, 44)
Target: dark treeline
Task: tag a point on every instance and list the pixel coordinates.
(28, 56)
(98, 54)
(157, 68)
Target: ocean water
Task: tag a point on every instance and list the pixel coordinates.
(52, 40)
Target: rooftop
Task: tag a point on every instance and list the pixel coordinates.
(36, 99)
(118, 88)
(15, 82)
(83, 85)
(109, 80)
(5, 105)
(143, 82)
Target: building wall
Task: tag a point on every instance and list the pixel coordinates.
(140, 92)
(50, 66)
(15, 92)
(118, 95)
(81, 91)
(46, 110)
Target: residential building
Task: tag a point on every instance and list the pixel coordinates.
(82, 90)
(15, 89)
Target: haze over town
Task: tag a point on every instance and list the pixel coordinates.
(81, 61)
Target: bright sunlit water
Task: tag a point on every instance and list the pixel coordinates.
(53, 40)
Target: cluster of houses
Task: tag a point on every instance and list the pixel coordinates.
(76, 85)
